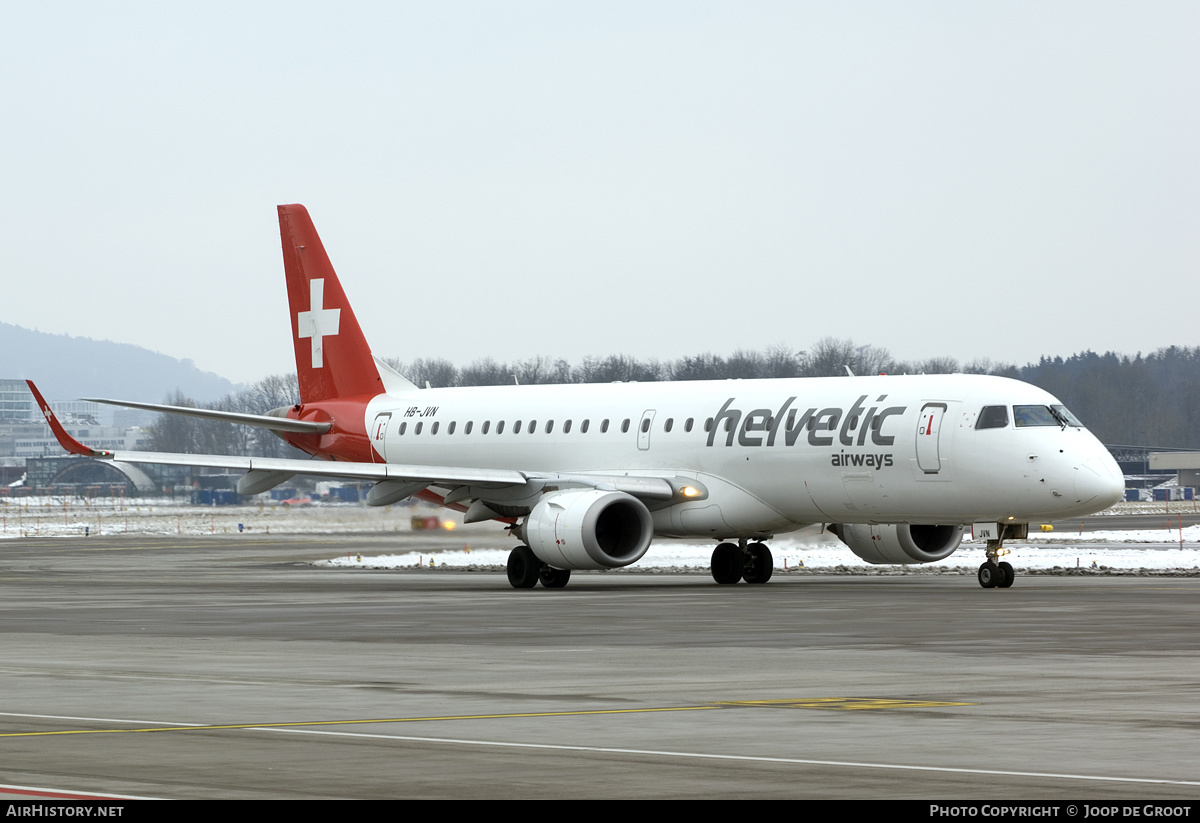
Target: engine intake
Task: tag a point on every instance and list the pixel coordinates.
(588, 529)
(904, 543)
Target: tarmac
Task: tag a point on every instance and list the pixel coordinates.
(228, 666)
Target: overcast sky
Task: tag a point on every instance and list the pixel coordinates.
(509, 179)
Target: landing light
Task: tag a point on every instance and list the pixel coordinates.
(449, 525)
(689, 491)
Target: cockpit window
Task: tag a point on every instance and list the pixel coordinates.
(1025, 416)
(1056, 415)
(993, 417)
(1065, 413)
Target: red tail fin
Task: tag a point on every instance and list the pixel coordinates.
(332, 356)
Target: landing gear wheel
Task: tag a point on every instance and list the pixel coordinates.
(761, 564)
(990, 575)
(727, 563)
(523, 567)
(1009, 573)
(554, 578)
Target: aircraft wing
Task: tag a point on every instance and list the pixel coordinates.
(325, 468)
(265, 472)
(329, 468)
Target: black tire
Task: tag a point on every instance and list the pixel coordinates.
(990, 575)
(1010, 574)
(727, 563)
(761, 565)
(554, 578)
(523, 567)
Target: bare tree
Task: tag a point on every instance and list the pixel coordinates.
(174, 432)
(829, 357)
(485, 372)
(618, 367)
(705, 366)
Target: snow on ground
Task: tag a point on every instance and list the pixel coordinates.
(1157, 551)
(56, 517)
(485, 545)
(796, 553)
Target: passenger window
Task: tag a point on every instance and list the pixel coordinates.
(708, 424)
(500, 427)
(517, 427)
(549, 426)
(583, 427)
(567, 427)
(670, 422)
(403, 426)
(450, 430)
(604, 426)
(433, 429)
(532, 426)
(467, 430)
(625, 425)
(687, 427)
(992, 417)
(646, 425)
(417, 430)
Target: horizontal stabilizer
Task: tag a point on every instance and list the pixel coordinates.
(262, 421)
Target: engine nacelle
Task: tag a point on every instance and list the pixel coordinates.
(588, 529)
(900, 543)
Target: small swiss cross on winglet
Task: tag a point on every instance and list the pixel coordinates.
(65, 440)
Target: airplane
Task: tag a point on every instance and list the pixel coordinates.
(585, 476)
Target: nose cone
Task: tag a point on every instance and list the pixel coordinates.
(1099, 482)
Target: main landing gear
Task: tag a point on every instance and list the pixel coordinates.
(742, 561)
(525, 571)
(993, 575)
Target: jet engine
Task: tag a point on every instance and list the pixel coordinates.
(890, 543)
(588, 529)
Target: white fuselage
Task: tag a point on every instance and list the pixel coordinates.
(773, 454)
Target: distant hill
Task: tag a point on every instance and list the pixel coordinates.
(68, 367)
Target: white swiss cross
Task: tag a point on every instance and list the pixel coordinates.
(318, 321)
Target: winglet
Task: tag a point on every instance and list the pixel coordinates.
(65, 440)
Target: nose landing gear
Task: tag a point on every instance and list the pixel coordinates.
(993, 575)
(996, 573)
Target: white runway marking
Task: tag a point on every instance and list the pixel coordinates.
(798, 761)
(102, 719)
(739, 757)
(64, 794)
